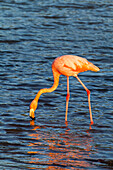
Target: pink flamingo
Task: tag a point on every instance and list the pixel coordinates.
(68, 65)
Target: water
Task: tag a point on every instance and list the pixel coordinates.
(32, 34)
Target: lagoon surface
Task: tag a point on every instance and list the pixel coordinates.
(32, 34)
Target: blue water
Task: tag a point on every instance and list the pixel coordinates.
(32, 34)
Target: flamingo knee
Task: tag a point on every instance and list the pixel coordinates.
(88, 92)
(67, 97)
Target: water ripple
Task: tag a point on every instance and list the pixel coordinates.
(32, 35)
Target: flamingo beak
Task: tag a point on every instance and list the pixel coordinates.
(32, 114)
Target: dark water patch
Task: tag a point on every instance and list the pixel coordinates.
(105, 163)
(33, 33)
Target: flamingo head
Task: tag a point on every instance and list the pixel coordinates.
(33, 107)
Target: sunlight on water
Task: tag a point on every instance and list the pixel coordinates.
(32, 34)
(62, 149)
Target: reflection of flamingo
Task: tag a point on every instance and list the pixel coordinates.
(55, 150)
(68, 65)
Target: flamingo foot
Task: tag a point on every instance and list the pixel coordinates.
(91, 123)
(66, 123)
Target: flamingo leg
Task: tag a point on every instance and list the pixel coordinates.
(88, 93)
(67, 98)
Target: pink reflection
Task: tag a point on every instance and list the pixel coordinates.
(61, 150)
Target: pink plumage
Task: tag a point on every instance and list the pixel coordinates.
(68, 65)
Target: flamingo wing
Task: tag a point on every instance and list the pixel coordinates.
(70, 65)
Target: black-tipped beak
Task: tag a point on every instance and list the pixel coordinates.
(33, 118)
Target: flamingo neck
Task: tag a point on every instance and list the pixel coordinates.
(56, 76)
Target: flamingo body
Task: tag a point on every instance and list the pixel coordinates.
(68, 65)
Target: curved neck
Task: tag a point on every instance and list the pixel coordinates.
(56, 76)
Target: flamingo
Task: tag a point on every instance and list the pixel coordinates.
(68, 65)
